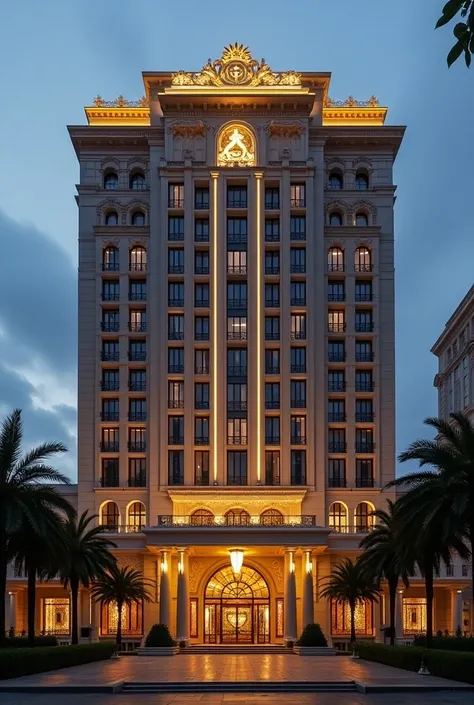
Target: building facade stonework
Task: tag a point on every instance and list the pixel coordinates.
(236, 403)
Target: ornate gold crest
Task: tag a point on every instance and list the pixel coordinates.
(236, 67)
(236, 146)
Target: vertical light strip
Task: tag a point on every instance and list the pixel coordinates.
(215, 176)
(258, 176)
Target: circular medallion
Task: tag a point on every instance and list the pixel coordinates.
(235, 72)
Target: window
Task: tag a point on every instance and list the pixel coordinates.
(271, 517)
(272, 295)
(137, 440)
(272, 262)
(137, 290)
(110, 320)
(272, 467)
(201, 362)
(201, 430)
(298, 326)
(237, 295)
(272, 395)
(336, 351)
(361, 181)
(137, 259)
(110, 259)
(272, 430)
(237, 396)
(110, 410)
(201, 262)
(364, 442)
(364, 381)
(201, 395)
(176, 467)
(363, 519)
(110, 351)
(175, 294)
(236, 229)
(236, 197)
(341, 618)
(176, 327)
(137, 381)
(336, 291)
(272, 328)
(237, 517)
(201, 295)
(175, 430)
(298, 394)
(298, 430)
(137, 323)
(362, 261)
(336, 322)
(137, 182)
(237, 432)
(298, 467)
(111, 181)
(110, 290)
(297, 196)
(336, 381)
(363, 290)
(201, 467)
(298, 294)
(364, 411)
(237, 328)
(136, 517)
(175, 394)
(201, 230)
(336, 472)
(336, 410)
(272, 230)
(335, 259)
(176, 260)
(336, 440)
(338, 517)
(237, 262)
(363, 321)
(364, 472)
(137, 350)
(298, 360)
(176, 196)
(138, 218)
(201, 199)
(236, 362)
(175, 360)
(298, 228)
(137, 410)
(363, 351)
(110, 440)
(137, 472)
(111, 218)
(176, 228)
(272, 362)
(110, 472)
(361, 219)
(110, 516)
(236, 469)
(335, 181)
(272, 198)
(335, 219)
(298, 260)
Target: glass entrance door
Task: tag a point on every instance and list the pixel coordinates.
(237, 624)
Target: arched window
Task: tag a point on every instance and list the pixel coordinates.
(335, 181)
(271, 517)
(202, 517)
(111, 218)
(338, 517)
(110, 516)
(111, 181)
(363, 260)
(335, 218)
(137, 181)
(335, 259)
(110, 259)
(138, 218)
(362, 219)
(362, 181)
(136, 517)
(138, 259)
(363, 519)
(237, 517)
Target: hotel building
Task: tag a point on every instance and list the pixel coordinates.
(236, 351)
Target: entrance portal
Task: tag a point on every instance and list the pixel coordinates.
(237, 608)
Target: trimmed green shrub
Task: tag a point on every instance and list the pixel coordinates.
(312, 635)
(15, 663)
(21, 642)
(454, 665)
(159, 635)
(448, 643)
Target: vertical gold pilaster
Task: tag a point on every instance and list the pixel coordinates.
(259, 176)
(215, 269)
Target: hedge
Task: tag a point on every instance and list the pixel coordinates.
(23, 662)
(456, 666)
(21, 642)
(448, 643)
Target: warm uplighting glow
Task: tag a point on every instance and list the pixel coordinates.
(215, 176)
(236, 146)
(291, 566)
(309, 562)
(164, 563)
(236, 560)
(259, 176)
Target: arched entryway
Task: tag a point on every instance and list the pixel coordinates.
(237, 608)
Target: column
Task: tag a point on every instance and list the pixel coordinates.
(399, 615)
(182, 612)
(290, 596)
(10, 611)
(456, 610)
(308, 602)
(165, 588)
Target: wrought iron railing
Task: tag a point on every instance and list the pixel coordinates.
(247, 521)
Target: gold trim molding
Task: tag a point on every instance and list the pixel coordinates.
(285, 130)
(188, 130)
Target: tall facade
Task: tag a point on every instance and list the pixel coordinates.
(236, 347)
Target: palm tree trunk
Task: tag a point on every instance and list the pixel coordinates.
(429, 604)
(392, 594)
(472, 566)
(3, 580)
(118, 640)
(74, 600)
(353, 629)
(31, 573)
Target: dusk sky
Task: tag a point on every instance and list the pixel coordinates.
(55, 56)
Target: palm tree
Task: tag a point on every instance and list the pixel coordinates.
(121, 586)
(23, 492)
(350, 583)
(384, 557)
(87, 557)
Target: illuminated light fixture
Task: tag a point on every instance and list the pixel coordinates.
(292, 563)
(236, 560)
(309, 562)
(164, 564)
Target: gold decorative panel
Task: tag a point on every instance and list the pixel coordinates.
(279, 617)
(341, 618)
(56, 615)
(193, 617)
(414, 615)
(132, 619)
(236, 146)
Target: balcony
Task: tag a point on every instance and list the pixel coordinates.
(335, 267)
(363, 297)
(298, 301)
(363, 267)
(237, 406)
(272, 403)
(109, 416)
(337, 447)
(336, 417)
(237, 440)
(298, 403)
(175, 440)
(236, 269)
(298, 369)
(237, 371)
(175, 303)
(336, 327)
(201, 303)
(364, 481)
(364, 327)
(297, 335)
(176, 237)
(201, 237)
(175, 403)
(298, 268)
(110, 356)
(201, 335)
(272, 237)
(176, 269)
(202, 481)
(272, 480)
(297, 202)
(113, 386)
(176, 335)
(364, 417)
(272, 335)
(364, 357)
(110, 266)
(236, 303)
(204, 270)
(300, 520)
(236, 203)
(137, 327)
(270, 270)
(296, 235)
(137, 296)
(240, 238)
(351, 529)
(202, 404)
(272, 440)
(109, 481)
(137, 447)
(202, 205)
(176, 203)
(137, 386)
(137, 267)
(138, 481)
(272, 303)
(237, 335)
(337, 482)
(110, 326)
(364, 386)
(175, 369)
(200, 370)
(298, 440)
(364, 447)
(336, 298)
(272, 204)
(137, 415)
(110, 296)
(109, 447)
(336, 357)
(137, 355)
(272, 369)
(201, 440)
(337, 386)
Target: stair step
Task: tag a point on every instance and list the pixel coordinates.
(241, 687)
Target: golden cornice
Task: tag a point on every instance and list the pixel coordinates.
(118, 115)
(354, 115)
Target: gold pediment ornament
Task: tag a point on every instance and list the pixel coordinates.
(236, 146)
(236, 67)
